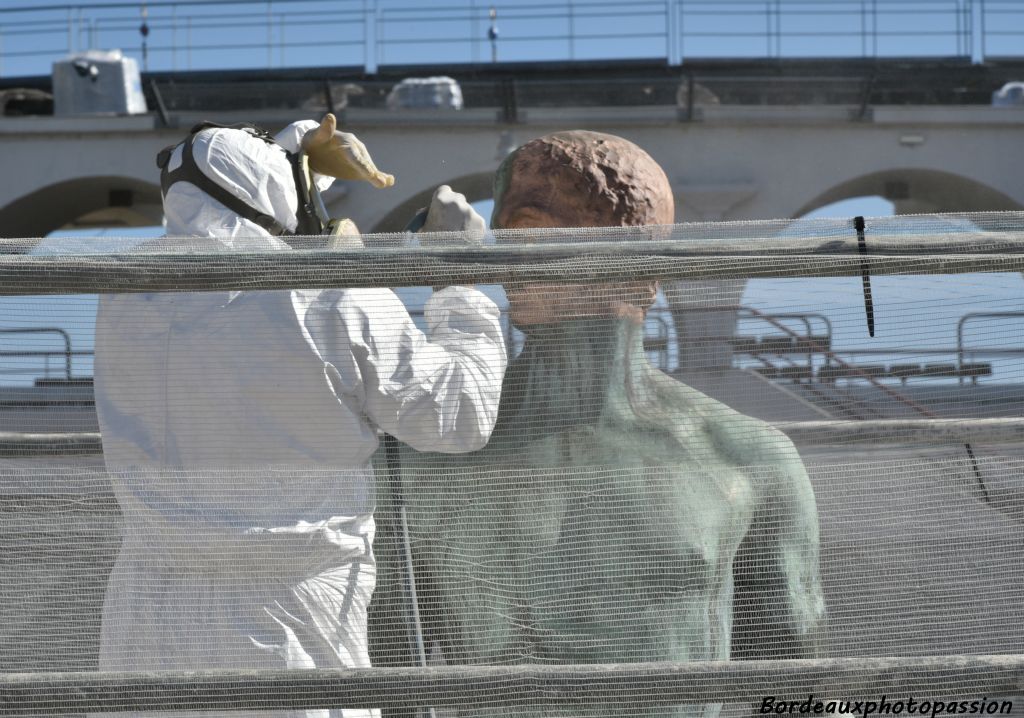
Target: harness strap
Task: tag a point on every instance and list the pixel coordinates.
(306, 220)
(188, 171)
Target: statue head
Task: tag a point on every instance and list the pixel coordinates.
(580, 179)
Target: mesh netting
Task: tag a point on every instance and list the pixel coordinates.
(698, 453)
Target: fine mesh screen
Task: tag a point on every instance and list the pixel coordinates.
(698, 452)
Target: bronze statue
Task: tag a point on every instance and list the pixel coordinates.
(617, 515)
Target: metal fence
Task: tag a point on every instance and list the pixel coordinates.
(192, 35)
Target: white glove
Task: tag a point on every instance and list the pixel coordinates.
(450, 212)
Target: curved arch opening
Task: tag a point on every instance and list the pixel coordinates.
(83, 203)
(916, 191)
(873, 206)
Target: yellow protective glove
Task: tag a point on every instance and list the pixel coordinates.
(341, 155)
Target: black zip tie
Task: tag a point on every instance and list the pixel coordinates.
(865, 274)
(977, 474)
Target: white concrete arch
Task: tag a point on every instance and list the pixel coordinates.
(734, 163)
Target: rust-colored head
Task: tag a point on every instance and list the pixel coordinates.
(581, 179)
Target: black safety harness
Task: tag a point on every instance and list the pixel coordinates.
(307, 221)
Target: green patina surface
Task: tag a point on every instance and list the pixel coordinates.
(617, 515)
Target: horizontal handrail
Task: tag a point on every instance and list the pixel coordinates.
(820, 433)
(905, 431)
(648, 684)
(548, 261)
(960, 351)
(112, 274)
(46, 330)
(895, 351)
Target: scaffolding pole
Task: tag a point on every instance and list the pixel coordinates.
(219, 271)
(804, 433)
(608, 685)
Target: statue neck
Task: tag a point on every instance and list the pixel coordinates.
(570, 374)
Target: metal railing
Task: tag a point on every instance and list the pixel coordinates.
(189, 34)
(961, 351)
(693, 95)
(835, 362)
(45, 354)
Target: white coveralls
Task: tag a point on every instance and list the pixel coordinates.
(238, 429)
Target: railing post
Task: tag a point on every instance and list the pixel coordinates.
(959, 42)
(969, 27)
(270, 34)
(778, 28)
(366, 38)
(572, 31)
(874, 28)
(474, 31)
(680, 16)
(174, 38)
(960, 345)
(377, 37)
(669, 55)
(863, 30)
(981, 28)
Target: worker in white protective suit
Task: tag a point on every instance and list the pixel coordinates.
(238, 427)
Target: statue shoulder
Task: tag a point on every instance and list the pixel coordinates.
(751, 441)
(742, 439)
(756, 442)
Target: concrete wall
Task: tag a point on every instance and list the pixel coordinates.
(734, 163)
